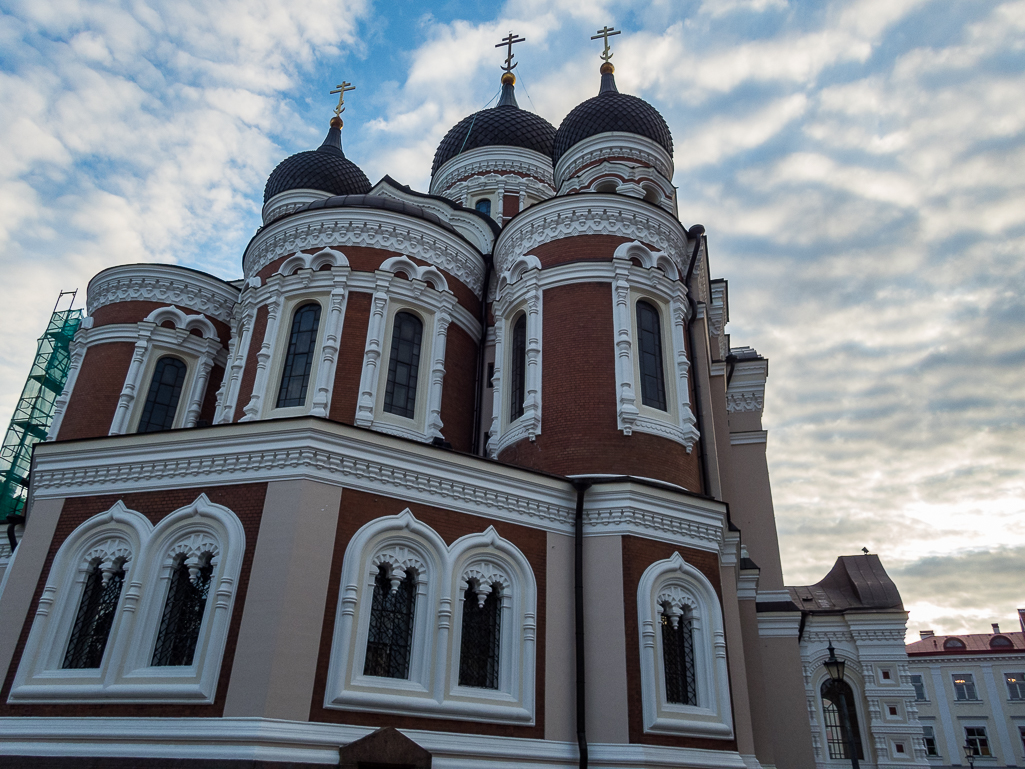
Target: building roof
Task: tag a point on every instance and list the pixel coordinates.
(609, 111)
(855, 583)
(503, 125)
(971, 643)
(326, 169)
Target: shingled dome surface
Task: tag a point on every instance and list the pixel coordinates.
(505, 125)
(325, 169)
(612, 111)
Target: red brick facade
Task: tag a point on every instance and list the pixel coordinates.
(93, 402)
(134, 312)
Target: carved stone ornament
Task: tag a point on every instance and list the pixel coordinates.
(164, 284)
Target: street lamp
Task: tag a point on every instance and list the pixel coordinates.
(835, 668)
(970, 752)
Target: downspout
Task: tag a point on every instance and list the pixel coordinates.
(478, 396)
(699, 231)
(578, 606)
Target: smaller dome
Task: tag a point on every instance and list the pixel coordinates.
(611, 110)
(325, 169)
(502, 125)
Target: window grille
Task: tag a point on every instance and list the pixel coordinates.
(479, 650)
(678, 659)
(518, 378)
(929, 735)
(183, 615)
(649, 343)
(836, 736)
(391, 627)
(976, 739)
(95, 617)
(302, 343)
(919, 684)
(1015, 685)
(165, 390)
(400, 393)
(964, 687)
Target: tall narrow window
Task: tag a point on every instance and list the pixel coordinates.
(95, 617)
(976, 739)
(400, 393)
(479, 649)
(929, 736)
(165, 390)
(183, 615)
(518, 373)
(302, 343)
(836, 735)
(919, 684)
(1015, 686)
(391, 626)
(678, 658)
(964, 687)
(649, 343)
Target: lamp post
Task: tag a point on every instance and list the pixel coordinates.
(835, 668)
(970, 752)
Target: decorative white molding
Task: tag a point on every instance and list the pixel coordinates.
(746, 438)
(493, 160)
(779, 624)
(164, 283)
(746, 391)
(290, 200)
(370, 227)
(574, 215)
(123, 538)
(518, 290)
(612, 144)
(718, 317)
(669, 587)
(407, 546)
(637, 181)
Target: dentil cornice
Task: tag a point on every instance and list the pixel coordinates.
(164, 283)
(484, 160)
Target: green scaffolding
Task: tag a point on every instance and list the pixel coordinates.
(34, 412)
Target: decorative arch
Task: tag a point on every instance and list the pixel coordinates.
(327, 257)
(173, 315)
(406, 266)
(672, 588)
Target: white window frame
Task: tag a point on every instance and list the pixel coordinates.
(125, 674)
(925, 692)
(658, 280)
(1020, 675)
(682, 585)
(519, 290)
(931, 735)
(969, 682)
(432, 688)
(424, 291)
(283, 317)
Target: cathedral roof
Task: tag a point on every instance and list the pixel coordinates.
(611, 110)
(326, 169)
(374, 201)
(503, 125)
(855, 583)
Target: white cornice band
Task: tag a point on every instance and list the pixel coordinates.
(485, 160)
(163, 283)
(612, 144)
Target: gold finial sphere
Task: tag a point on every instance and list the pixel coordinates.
(508, 79)
(607, 68)
(336, 122)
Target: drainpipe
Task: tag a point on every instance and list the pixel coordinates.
(578, 605)
(699, 232)
(478, 395)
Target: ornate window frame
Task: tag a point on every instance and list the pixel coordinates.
(125, 675)
(432, 688)
(400, 284)
(657, 279)
(302, 278)
(519, 289)
(678, 583)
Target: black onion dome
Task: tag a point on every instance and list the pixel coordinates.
(611, 110)
(325, 169)
(503, 125)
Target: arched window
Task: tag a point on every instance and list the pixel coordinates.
(518, 378)
(95, 616)
(649, 343)
(1000, 642)
(953, 643)
(400, 392)
(678, 656)
(836, 735)
(484, 207)
(391, 625)
(302, 341)
(480, 647)
(165, 390)
(183, 614)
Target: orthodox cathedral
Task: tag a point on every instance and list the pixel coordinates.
(461, 478)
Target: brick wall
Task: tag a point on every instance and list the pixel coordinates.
(350, 358)
(213, 384)
(358, 508)
(133, 312)
(93, 401)
(245, 387)
(457, 396)
(245, 500)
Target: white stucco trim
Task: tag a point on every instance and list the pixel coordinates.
(612, 144)
(165, 284)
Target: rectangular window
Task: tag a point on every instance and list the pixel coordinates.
(919, 684)
(930, 741)
(975, 738)
(886, 674)
(1015, 685)
(899, 746)
(964, 687)
(891, 710)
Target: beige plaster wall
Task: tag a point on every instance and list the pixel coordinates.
(750, 502)
(788, 711)
(560, 633)
(605, 640)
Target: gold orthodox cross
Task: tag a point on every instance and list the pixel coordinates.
(341, 90)
(509, 66)
(606, 33)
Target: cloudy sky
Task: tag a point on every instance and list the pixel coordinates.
(859, 166)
